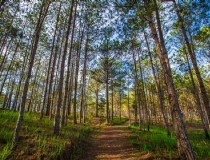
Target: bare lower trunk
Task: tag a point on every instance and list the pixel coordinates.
(158, 89)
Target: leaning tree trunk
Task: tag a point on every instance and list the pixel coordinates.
(195, 93)
(35, 41)
(9, 68)
(183, 144)
(21, 78)
(33, 88)
(6, 53)
(194, 62)
(46, 95)
(158, 89)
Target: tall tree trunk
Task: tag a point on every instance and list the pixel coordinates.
(6, 53)
(195, 93)
(14, 106)
(71, 89)
(194, 62)
(107, 89)
(158, 89)
(54, 99)
(183, 144)
(76, 81)
(53, 70)
(63, 118)
(42, 15)
(112, 101)
(137, 86)
(61, 79)
(96, 92)
(129, 110)
(9, 68)
(120, 107)
(33, 88)
(82, 107)
(49, 68)
(144, 94)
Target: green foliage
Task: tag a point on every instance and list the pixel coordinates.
(6, 151)
(38, 136)
(199, 143)
(118, 121)
(203, 35)
(157, 141)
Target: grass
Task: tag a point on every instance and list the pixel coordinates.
(200, 144)
(37, 140)
(118, 121)
(158, 142)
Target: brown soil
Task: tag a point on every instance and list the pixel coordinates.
(113, 143)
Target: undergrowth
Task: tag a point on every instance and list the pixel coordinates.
(37, 140)
(118, 121)
(158, 142)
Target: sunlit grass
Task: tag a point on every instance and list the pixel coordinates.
(158, 142)
(118, 121)
(37, 136)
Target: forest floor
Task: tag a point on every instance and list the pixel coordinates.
(120, 142)
(114, 143)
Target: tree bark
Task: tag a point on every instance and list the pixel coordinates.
(138, 90)
(194, 62)
(46, 95)
(183, 144)
(42, 15)
(158, 89)
(198, 102)
(82, 107)
(61, 79)
(63, 118)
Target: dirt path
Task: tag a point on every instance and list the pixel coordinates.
(112, 143)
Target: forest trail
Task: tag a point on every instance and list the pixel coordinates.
(112, 143)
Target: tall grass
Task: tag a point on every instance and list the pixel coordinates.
(158, 142)
(37, 136)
